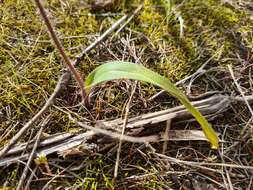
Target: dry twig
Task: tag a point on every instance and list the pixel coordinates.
(58, 45)
(123, 131)
(210, 108)
(23, 176)
(240, 89)
(35, 146)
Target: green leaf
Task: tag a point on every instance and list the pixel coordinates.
(126, 70)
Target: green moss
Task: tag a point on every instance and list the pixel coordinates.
(206, 27)
(95, 175)
(30, 66)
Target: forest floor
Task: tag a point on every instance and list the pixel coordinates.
(213, 38)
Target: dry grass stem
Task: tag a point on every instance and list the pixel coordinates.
(123, 131)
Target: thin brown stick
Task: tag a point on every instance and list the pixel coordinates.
(61, 50)
(62, 82)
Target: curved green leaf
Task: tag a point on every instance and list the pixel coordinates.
(120, 70)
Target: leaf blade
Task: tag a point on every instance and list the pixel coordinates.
(120, 69)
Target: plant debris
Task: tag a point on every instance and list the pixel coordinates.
(190, 42)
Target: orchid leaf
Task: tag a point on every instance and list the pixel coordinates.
(126, 70)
